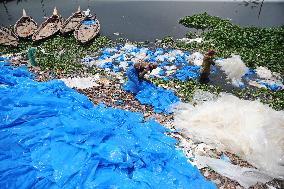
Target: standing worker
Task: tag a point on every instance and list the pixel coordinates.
(205, 69)
(136, 75)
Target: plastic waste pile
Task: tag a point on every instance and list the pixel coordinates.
(53, 137)
(246, 177)
(260, 77)
(173, 64)
(181, 65)
(162, 100)
(264, 78)
(250, 129)
(234, 68)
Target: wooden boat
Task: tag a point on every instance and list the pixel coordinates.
(7, 37)
(88, 29)
(48, 28)
(72, 22)
(25, 26)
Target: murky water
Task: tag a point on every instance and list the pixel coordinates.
(146, 20)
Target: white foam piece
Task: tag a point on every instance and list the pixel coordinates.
(187, 40)
(110, 50)
(196, 58)
(123, 65)
(263, 72)
(128, 46)
(155, 72)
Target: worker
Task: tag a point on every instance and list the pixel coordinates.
(205, 68)
(136, 75)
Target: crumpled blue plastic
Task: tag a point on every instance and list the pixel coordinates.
(188, 72)
(147, 93)
(134, 83)
(89, 22)
(270, 86)
(161, 99)
(53, 137)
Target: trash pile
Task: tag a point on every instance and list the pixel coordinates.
(238, 73)
(266, 79)
(172, 63)
(177, 64)
(162, 100)
(234, 68)
(250, 129)
(55, 137)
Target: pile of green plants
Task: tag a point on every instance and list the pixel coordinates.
(256, 46)
(59, 54)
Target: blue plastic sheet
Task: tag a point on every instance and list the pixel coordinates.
(161, 99)
(53, 137)
(89, 22)
(188, 72)
(133, 84)
(270, 86)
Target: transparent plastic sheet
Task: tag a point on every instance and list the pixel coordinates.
(250, 129)
(234, 68)
(53, 137)
(246, 177)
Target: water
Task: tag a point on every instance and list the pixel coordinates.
(146, 20)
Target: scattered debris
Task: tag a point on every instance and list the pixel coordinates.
(81, 83)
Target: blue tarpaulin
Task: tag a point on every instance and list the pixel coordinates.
(145, 92)
(53, 137)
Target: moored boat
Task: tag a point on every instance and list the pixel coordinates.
(72, 22)
(48, 28)
(7, 37)
(25, 26)
(88, 29)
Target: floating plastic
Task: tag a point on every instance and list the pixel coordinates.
(234, 68)
(53, 137)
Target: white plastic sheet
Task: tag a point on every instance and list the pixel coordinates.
(250, 129)
(244, 176)
(234, 68)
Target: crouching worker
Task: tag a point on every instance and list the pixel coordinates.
(205, 69)
(136, 75)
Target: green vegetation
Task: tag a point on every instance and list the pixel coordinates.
(60, 54)
(256, 46)
(185, 91)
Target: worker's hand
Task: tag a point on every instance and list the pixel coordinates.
(148, 68)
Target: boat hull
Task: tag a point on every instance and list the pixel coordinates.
(7, 37)
(72, 22)
(87, 30)
(50, 27)
(25, 27)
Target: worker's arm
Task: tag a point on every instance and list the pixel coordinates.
(211, 61)
(142, 74)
